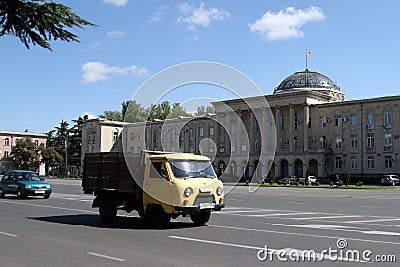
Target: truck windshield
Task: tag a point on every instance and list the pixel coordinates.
(192, 169)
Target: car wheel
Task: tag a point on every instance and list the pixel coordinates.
(46, 196)
(20, 194)
(2, 193)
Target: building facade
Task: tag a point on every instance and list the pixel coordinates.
(306, 127)
(8, 140)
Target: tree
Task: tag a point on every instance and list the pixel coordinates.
(133, 111)
(24, 154)
(39, 21)
(112, 115)
(50, 157)
(204, 110)
(178, 111)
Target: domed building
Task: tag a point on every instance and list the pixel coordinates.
(311, 81)
(304, 127)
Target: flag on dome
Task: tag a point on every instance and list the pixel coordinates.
(309, 52)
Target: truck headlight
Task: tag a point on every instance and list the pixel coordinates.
(28, 186)
(219, 191)
(188, 192)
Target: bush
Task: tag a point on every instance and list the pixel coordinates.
(331, 184)
(359, 184)
(301, 183)
(316, 183)
(271, 182)
(306, 183)
(279, 182)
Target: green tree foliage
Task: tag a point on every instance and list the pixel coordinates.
(39, 21)
(25, 154)
(112, 115)
(50, 157)
(133, 111)
(204, 110)
(164, 111)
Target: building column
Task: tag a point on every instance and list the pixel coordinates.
(290, 128)
(305, 126)
(278, 126)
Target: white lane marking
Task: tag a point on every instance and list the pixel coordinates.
(296, 203)
(282, 214)
(340, 228)
(375, 207)
(46, 206)
(105, 256)
(8, 234)
(244, 211)
(300, 234)
(328, 217)
(268, 251)
(380, 220)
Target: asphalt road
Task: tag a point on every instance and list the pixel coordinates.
(269, 227)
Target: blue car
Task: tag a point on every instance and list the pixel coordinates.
(23, 184)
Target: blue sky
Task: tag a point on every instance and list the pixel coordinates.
(355, 43)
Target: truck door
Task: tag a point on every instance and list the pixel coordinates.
(157, 186)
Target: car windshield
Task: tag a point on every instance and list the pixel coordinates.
(28, 176)
(192, 169)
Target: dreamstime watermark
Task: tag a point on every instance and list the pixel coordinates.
(340, 253)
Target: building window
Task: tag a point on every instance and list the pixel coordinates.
(244, 148)
(354, 162)
(221, 130)
(256, 126)
(6, 154)
(338, 162)
(6, 142)
(132, 136)
(282, 122)
(164, 136)
(370, 120)
(172, 135)
(354, 141)
(338, 141)
(338, 120)
(191, 134)
(371, 162)
(370, 140)
(322, 141)
(388, 162)
(36, 143)
(388, 139)
(321, 122)
(295, 143)
(353, 119)
(94, 135)
(211, 130)
(233, 148)
(387, 119)
(256, 146)
(115, 137)
(155, 137)
(211, 147)
(295, 121)
(89, 139)
(201, 131)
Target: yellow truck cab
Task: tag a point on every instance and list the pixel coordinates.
(158, 185)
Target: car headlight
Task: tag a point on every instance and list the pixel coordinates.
(188, 192)
(28, 186)
(219, 191)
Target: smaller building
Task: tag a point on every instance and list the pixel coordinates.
(8, 140)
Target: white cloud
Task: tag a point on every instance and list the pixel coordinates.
(193, 38)
(98, 71)
(159, 14)
(116, 2)
(286, 23)
(115, 34)
(201, 16)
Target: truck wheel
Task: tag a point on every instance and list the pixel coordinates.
(200, 217)
(107, 210)
(156, 217)
(2, 193)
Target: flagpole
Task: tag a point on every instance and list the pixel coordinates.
(306, 59)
